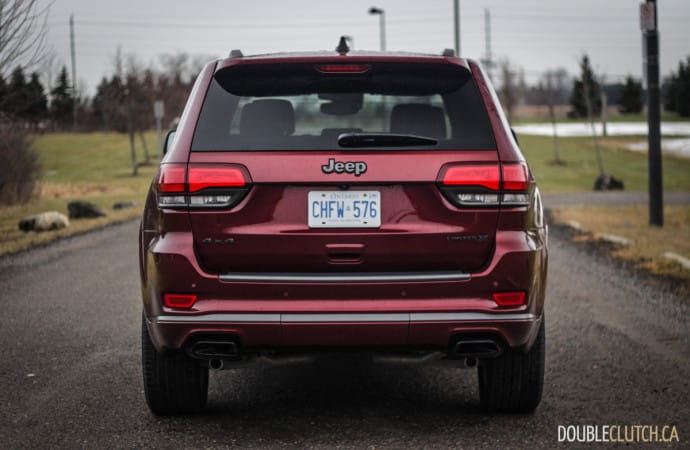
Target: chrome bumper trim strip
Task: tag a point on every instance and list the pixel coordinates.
(343, 277)
(345, 317)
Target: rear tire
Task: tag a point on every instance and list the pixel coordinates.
(173, 384)
(513, 382)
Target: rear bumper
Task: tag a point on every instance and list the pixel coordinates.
(360, 312)
(275, 331)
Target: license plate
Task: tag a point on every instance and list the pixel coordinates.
(344, 209)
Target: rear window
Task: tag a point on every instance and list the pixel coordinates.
(294, 107)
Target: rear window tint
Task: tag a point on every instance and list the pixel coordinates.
(288, 110)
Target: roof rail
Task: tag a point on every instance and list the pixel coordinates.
(236, 53)
(448, 52)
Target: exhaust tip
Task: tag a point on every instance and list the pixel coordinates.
(475, 349)
(214, 350)
(216, 364)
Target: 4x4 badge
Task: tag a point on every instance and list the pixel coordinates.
(356, 167)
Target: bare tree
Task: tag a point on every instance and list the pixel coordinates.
(551, 100)
(125, 102)
(176, 65)
(23, 29)
(509, 89)
(119, 103)
(138, 101)
(555, 80)
(49, 68)
(22, 43)
(175, 81)
(552, 90)
(590, 118)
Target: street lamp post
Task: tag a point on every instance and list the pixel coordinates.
(382, 24)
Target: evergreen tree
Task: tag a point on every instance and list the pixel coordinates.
(37, 103)
(108, 104)
(630, 101)
(62, 100)
(98, 103)
(587, 82)
(678, 90)
(17, 95)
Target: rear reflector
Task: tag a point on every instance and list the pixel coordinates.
(343, 68)
(466, 199)
(179, 300)
(515, 177)
(214, 177)
(509, 298)
(485, 176)
(210, 200)
(171, 178)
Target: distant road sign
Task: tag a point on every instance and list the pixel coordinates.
(647, 17)
(158, 109)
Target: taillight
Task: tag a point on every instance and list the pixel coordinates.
(509, 298)
(180, 301)
(515, 184)
(515, 177)
(214, 177)
(171, 178)
(485, 176)
(201, 186)
(486, 184)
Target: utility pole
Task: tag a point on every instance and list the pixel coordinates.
(487, 42)
(74, 71)
(456, 22)
(650, 55)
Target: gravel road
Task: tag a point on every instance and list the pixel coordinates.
(617, 353)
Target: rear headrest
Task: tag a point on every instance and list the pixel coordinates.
(270, 117)
(419, 119)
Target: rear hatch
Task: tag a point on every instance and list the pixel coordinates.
(342, 168)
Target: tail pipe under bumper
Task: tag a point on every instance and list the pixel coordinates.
(478, 348)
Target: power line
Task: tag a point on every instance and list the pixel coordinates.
(393, 20)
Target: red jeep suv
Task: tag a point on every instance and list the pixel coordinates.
(343, 201)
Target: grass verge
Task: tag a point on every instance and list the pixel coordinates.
(647, 243)
(579, 170)
(85, 166)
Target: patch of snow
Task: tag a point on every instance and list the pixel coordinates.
(581, 129)
(678, 147)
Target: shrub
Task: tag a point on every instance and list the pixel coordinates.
(19, 164)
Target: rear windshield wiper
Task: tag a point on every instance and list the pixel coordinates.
(356, 140)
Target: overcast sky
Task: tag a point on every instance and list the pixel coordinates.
(536, 35)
